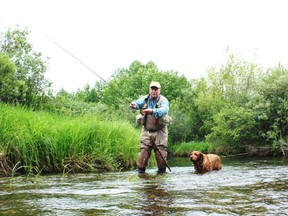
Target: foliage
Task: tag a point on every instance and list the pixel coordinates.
(65, 103)
(29, 84)
(181, 129)
(7, 79)
(58, 143)
(270, 105)
(134, 82)
(230, 85)
(234, 129)
(187, 121)
(245, 108)
(90, 94)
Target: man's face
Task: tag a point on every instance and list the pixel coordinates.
(154, 92)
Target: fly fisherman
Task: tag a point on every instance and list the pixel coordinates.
(154, 118)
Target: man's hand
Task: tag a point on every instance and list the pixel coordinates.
(148, 111)
(133, 105)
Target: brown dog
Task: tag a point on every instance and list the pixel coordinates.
(205, 162)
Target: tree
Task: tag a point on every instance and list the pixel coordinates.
(90, 94)
(270, 105)
(8, 83)
(234, 128)
(129, 84)
(32, 86)
(229, 86)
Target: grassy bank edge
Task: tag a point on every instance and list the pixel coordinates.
(41, 142)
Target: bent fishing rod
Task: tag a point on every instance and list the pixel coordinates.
(81, 62)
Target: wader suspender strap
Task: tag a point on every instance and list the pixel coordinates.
(148, 119)
(157, 105)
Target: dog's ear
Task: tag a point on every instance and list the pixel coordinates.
(200, 155)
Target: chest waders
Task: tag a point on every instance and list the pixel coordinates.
(157, 149)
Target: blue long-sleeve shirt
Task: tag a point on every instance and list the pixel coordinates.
(157, 112)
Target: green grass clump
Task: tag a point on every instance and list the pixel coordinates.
(45, 142)
(183, 149)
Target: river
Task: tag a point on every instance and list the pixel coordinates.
(244, 186)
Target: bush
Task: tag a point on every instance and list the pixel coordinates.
(234, 128)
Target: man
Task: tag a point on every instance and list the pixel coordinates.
(154, 117)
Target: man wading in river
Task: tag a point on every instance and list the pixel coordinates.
(154, 118)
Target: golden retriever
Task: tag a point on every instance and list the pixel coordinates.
(205, 162)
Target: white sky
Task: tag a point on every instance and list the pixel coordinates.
(187, 36)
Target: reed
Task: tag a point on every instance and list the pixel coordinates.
(41, 141)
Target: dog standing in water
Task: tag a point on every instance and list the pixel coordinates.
(205, 162)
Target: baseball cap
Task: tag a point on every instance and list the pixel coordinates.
(155, 84)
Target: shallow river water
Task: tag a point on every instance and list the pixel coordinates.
(244, 186)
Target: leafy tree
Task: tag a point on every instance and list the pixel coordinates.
(233, 81)
(234, 129)
(90, 94)
(32, 86)
(186, 121)
(129, 84)
(228, 86)
(181, 129)
(7, 79)
(270, 105)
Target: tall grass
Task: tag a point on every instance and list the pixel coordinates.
(53, 143)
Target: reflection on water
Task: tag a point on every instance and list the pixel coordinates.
(243, 187)
(154, 198)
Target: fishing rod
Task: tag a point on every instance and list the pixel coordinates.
(157, 149)
(81, 62)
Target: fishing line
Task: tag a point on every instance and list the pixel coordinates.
(57, 44)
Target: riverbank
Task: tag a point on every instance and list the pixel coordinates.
(90, 165)
(41, 142)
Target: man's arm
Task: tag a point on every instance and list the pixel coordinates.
(137, 104)
(163, 110)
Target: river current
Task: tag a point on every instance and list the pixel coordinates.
(244, 186)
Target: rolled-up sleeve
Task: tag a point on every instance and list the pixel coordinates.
(140, 102)
(162, 110)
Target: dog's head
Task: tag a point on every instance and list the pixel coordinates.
(196, 156)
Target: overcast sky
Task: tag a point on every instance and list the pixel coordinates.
(187, 36)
